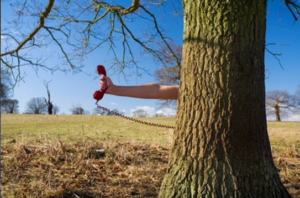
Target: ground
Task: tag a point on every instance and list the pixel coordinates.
(96, 156)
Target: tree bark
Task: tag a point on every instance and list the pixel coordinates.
(221, 146)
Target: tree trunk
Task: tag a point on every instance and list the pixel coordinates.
(277, 110)
(277, 113)
(221, 146)
(50, 107)
(48, 102)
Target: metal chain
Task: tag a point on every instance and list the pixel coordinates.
(134, 119)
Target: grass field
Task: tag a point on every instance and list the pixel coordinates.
(106, 156)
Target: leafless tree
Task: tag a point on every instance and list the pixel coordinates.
(36, 105)
(55, 109)
(169, 74)
(114, 112)
(98, 111)
(278, 102)
(159, 115)
(7, 105)
(77, 110)
(10, 106)
(5, 89)
(48, 100)
(140, 113)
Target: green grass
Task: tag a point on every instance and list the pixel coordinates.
(30, 128)
(284, 135)
(56, 156)
(285, 125)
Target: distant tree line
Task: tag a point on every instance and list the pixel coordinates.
(42, 105)
(98, 111)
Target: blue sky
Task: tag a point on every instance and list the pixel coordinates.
(69, 89)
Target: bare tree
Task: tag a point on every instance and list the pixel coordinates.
(10, 106)
(98, 111)
(48, 101)
(297, 94)
(55, 109)
(169, 74)
(159, 115)
(5, 90)
(7, 105)
(140, 113)
(114, 112)
(36, 105)
(77, 110)
(278, 102)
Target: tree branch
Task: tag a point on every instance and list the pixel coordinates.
(43, 16)
(60, 46)
(275, 54)
(134, 6)
(291, 4)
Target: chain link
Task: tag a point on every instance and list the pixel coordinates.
(134, 119)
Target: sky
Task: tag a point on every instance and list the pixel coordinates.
(71, 89)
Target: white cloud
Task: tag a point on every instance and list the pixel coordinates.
(169, 112)
(150, 110)
(271, 118)
(113, 103)
(295, 117)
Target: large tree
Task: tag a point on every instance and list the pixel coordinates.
(36, 105)
(140, 113)
(169, 74)
(48, 100)
(55, 109)
(77, 110)
(5, 86)
(221, 146)
(279, 102)
(10, 106)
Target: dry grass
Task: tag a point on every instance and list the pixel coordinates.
(61, 156)
(285, 142)
(78, 170)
